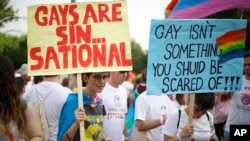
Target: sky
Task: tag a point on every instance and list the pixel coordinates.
(140, 13)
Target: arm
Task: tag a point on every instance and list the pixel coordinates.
(214, 138)
(186, 132)
(70, 133)
(141, 111)
(125, 133)
(143, 125)
(34, 128)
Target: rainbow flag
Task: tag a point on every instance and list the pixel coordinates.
(180, 9)
(231, 45)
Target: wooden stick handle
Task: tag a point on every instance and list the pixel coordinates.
(80, 104)
(191, 110)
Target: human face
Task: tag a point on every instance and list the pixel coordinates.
(198, 112)
(247, 66)
(96, 81)
(123, 76)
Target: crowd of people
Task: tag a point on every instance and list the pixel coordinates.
(115, 108)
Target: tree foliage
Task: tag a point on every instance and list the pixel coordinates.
(139, 57)
(15, 48)
(7, 13)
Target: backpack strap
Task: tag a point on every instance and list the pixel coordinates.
(207, 116)
(179, 111)
(45, 95)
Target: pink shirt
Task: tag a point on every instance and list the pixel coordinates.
(221, 109)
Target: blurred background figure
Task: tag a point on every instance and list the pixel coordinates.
(66, 82)
(23, 71)
(220, 112)
(129, 86)
(20, 84)
(140, 87)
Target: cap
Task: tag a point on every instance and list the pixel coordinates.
(23, 69)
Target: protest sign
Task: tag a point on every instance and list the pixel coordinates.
(195, 55)
(78, 37)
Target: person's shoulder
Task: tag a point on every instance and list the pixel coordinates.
(142, 96)
(209, 113)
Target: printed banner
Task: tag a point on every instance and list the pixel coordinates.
(78, 37)
(195, 56)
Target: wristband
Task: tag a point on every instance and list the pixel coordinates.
(67, 136)
(178, 136)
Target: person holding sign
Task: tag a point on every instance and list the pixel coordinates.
(92, 114)
(202, 128)
(239, 111)
(18, 119)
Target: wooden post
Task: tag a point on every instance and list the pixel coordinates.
(191, 110)
(80, 104)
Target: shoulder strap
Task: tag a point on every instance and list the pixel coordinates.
(179, 111)
(207, 116)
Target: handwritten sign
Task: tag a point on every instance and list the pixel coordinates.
(195, 56)
(78, 37)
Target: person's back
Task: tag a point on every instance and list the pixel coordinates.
(55, 95)
(114, 98)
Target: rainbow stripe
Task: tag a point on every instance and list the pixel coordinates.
(231, 45)
(202, 8)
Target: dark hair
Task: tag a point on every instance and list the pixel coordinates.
(180, 99)
(247, 54)
(38, 79)
(204, 100)
(20, 83)
(50, 75)
(84, 84)
(10, 100)
(65, 82)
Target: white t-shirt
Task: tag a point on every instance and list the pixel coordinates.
(115, 103)
(239, 111)
(53, 103)
(156, 105)
(203, 127)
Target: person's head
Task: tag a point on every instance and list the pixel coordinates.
(38, 79)
(20, 84)
(203, 103)
(10, 98)
(66, 82)
(94, 82)
(24, 72)
(247, 63)
(117, 77)
(180, 98)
